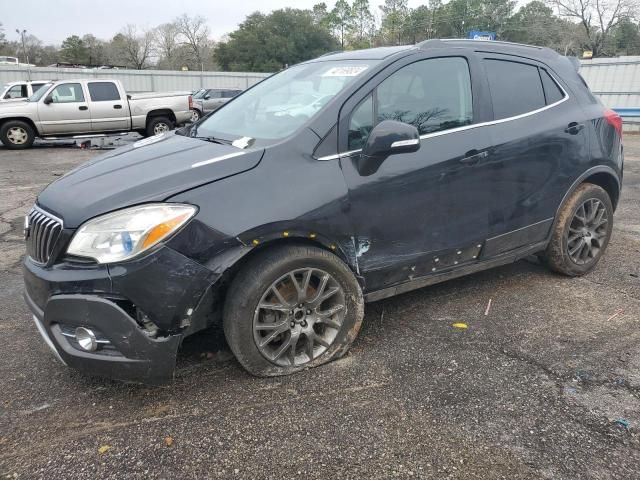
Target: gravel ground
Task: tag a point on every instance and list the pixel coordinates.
(547, 385)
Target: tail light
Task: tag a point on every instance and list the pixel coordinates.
(190, 102)
(614, 120)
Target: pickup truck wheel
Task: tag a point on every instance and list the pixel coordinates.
(582, 231)
(159, 125)
(292, 308)
(17, 135)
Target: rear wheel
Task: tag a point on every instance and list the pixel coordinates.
(159, 125)
(292, 308)
(582, 231)
(17, 135)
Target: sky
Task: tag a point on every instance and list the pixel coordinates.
(54, 20)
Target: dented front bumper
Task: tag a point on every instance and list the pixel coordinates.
(139, 312)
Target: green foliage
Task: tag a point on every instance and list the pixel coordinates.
(74, 50)
(268, 43)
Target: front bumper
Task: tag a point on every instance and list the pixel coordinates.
(165, 290)
(126, 352)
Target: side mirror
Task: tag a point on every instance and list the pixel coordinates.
(48, 99)
(207, 97)
(387, 138)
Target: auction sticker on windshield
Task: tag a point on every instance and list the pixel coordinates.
(346, 71)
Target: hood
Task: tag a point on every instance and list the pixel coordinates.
(149, 170)
(8, 107)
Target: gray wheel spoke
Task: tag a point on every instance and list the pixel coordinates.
(279, 296)
(283, 348)
(292, 351)
(275, 306)
(309, 346)
(277, 331)
(331, 311)
(577, 247)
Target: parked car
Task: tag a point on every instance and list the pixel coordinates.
(207, 100)
(69, 108)
(427, 163)
(16, 91)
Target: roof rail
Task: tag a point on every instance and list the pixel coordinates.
(442, 42)
(331, 53)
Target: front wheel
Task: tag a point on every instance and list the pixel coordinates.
(582, 231)
(159, 125)
(292, 308)
(17, 135)
(195, 115)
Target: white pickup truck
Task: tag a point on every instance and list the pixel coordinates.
(89, 108)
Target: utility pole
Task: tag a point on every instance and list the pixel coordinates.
(24, 50)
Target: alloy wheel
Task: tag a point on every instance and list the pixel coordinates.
(160, 128)
(17, 135)
(587, 232)
(298, 317)
(195, 116)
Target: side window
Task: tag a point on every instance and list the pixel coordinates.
(214, 94)
(67, 93)
(36, 86)
(103, 91)
(17, 91)
(552, 91)
(361, 124)
(432, 95)
(515, 88)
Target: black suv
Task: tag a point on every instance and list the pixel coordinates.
(346, 179)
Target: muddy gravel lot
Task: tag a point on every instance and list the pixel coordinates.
(545, 385)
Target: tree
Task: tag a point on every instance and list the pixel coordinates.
(536, 24)
(268, 43)
(167, 45)
(340, 20)
(626, 38)
(73, 50)
(2, 35)
(362, 24)
(394, 16)
(95, 49)
(133, 47)
(598, 18)
(195, 33)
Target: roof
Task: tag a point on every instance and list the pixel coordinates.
(496, 46)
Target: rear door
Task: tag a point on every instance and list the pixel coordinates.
(538, 141)
(109, 110)
(68, 111)
(420, 213)
(212, 100)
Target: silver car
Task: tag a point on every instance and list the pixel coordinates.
(207, 100)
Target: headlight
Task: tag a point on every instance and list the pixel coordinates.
(121, 235)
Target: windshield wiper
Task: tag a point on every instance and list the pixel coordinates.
(221, 141)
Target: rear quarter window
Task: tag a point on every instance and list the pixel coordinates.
(516, 88)
(552, 91)
(103, 91)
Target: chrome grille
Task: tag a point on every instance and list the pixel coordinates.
(43, 231)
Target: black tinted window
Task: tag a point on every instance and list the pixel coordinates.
(432, 95)
(515, 88)
(552, 91)
(103, 91)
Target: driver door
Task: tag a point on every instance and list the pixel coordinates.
(68, 111)
(426, 212)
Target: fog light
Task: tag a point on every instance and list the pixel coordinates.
(86, 339)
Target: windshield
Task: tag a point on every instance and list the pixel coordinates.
(38, 94)
(279, 105)
(200, 93)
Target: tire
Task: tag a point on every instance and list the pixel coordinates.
(576, 246)
(247, 324)
(195, 115)
(17, 135)
(159, 125)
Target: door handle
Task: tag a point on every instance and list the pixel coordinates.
(574, 128)
(117, 106)
(83, 107)
(473, 156)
